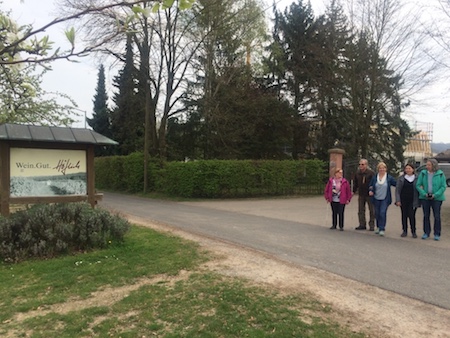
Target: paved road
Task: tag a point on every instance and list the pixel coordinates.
(296, 230)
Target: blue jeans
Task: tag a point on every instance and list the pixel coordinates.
(380, 213)
(436, 206)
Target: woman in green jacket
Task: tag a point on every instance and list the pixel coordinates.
(431, 186)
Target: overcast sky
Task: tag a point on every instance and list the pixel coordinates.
(79, 80)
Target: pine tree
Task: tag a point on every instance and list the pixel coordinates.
(293, 63)
(330, 97)
(101, 118)
(128, 116)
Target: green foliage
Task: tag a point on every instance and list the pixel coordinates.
(238, 118)
(218, 178)
(52, 230)
(109, 173)
(128, 116)
(22, 100)
(211, 178)
(338, 78)
(264, 121)
(124, 173)
(101, 118)
(165, 4)
(16, 40)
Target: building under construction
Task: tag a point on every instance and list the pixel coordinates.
(418, 148)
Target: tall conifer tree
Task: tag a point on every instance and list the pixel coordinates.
(128, 115)
(101, 118)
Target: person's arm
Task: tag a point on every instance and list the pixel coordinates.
(355, 183)
(392, 181)
(442, 186)
(398, 190)
(348, 192)
(372, 186)
(327, 190)
(420, 186)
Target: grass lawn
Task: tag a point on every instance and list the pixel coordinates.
(170, 295)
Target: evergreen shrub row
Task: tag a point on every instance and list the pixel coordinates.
(124, 173)
(213, 178)
(54, 229)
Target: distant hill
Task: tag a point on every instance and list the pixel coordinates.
(439, 147)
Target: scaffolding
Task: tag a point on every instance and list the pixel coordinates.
(424, 127)
(419, 145)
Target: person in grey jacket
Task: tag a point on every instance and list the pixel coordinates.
(407, 198)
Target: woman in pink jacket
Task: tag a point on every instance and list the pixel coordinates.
(338, 193)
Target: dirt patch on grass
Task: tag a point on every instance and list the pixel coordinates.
(105, 297)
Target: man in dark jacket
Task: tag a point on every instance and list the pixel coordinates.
(361, 185)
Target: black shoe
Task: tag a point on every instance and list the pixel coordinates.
(333, 228)
(341, 229)
(372, 228)
(360, 228)
(414, 235)
(404, 234)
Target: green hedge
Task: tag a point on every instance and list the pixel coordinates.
(217, 178)
(124, 173)
(211, 178)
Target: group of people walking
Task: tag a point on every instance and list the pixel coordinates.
(412, 190)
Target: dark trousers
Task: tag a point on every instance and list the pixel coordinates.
(362, 200)
(338, 213)
(408, 213)
(436, 206)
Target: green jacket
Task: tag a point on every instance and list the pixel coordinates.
(439, 185)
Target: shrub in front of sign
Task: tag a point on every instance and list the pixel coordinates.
(46, 231)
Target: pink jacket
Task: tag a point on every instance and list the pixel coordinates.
(346, 194)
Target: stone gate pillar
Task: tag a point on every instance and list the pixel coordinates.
(336, 155)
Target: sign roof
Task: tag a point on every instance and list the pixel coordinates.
(23, 132)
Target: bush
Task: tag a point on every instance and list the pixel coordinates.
(124, 173)
(55, 229)
(211, 178)
(221, 178)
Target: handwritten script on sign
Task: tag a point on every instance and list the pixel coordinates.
(64, 165)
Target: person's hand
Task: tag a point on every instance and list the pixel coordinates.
(398, 204)
(371, 193)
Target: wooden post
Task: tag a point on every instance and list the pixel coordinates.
(4, 177)
(90, 175)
